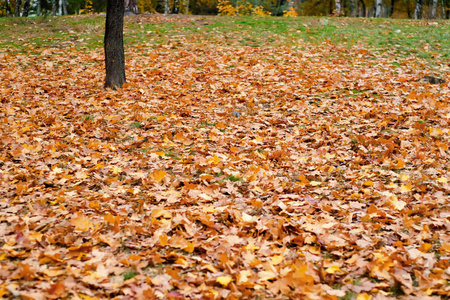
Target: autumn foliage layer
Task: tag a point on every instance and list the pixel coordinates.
(297, 168)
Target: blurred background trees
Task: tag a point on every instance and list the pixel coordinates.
(418, 9)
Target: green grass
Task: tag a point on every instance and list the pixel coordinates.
(129, 274)
(401, 37)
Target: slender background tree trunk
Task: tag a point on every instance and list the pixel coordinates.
(131, 7)
(418, 10)
(434, 9)
(53, 8)
(38, 7)
(391, 11)
(113, 44)
(18, 6)
(26, 8)
(363, 8)
(186, 7)
(338, 7)
(354, 8)
(378, 8)
(166, 7)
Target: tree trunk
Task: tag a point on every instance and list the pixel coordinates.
(418, 10)
(166, 7)
(38, 7)
(434, 9)
(354, 8)
(186, 7)
(363, 8)
(64, 7)
(338, 7)
(391, 11)
(131, 6)
(443, 9)
(378, 8)
(18, 6)
(113, 44)
(26, 8)
(53, 8)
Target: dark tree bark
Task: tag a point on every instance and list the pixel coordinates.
(26, 8)
(363, 8)
(113, 44)
(18, 5)
(391, 11)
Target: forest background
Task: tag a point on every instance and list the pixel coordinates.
(417, 9)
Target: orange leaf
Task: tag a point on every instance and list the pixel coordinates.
(81, 223)
(190, 247)
(163, 239)
(224, 280)
(158, 175)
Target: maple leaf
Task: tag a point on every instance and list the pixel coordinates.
(224, 280)
(280, 285)
(81, 223)
(158, 175)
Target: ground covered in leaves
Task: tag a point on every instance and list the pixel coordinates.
(308, 169)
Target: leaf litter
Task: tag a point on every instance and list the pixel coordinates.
(301, 171)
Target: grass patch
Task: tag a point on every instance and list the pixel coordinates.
(129, 274)
(402, 37)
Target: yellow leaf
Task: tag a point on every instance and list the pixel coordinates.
(364, 296)
(446, 247)
(404, 177)
(405, 188)
(81, 223)
(224, 280)
(161, 118)
(333, 269)
(442, 180)
(160, 153)
(314, 250)
(397, 204)
(116, 170)
(399, 165)
(302, 179)
(368, 183)
(425, 247)
(208, 209)
(243, 276)
(190, 247)
(329, 156)
(251, 247)
(435, 132)
(267, 275)
(277, 259)
(98, 166)
(214, 160)
(181, 261)
(158, 175)
(210, 268)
